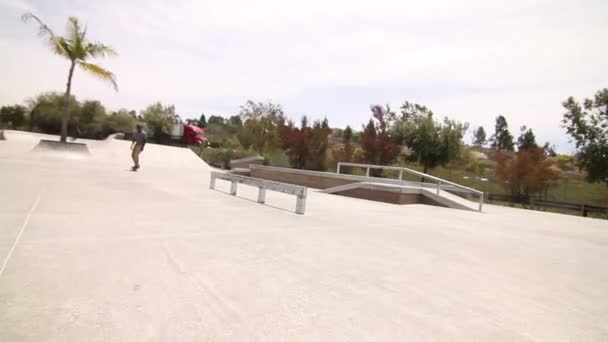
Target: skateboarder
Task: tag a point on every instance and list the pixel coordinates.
(139, 141)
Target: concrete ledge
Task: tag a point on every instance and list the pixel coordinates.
(245, 162)
(324, 180)
(240, 171)
(58, 146)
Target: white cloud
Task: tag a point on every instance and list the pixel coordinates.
(472, 59)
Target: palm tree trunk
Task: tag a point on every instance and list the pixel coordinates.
(66, 105)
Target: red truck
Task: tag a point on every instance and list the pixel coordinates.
(189, 134)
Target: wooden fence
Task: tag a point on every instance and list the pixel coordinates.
(583, 209)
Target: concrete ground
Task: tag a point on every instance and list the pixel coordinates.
(93, 252)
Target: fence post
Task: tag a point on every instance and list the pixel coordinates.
(233, 188)
(338, 169)
(261, 195)
(480, 201)
(367, 172)
(400, 174)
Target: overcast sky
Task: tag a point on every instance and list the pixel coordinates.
(468, 60)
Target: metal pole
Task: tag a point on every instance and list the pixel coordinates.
(261, 195)
(301, 204)
(367, 172)
(338, 169)
(212, 181)
(400, 174)
(480, 201)
(233, 188)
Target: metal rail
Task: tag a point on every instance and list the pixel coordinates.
(263, 185)
(402, 170)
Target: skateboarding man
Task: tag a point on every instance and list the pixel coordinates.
(137, 146)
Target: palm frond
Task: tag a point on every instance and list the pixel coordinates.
(99, 72)
(76, 37)
(60, 46)
(43, 29)
(99, 50)
(56, 43)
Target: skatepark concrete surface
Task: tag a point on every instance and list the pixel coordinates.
(91, 251)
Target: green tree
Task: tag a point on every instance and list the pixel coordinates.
(526, 139)
(47, 111)
(120, 121)
(215, 119)
(78, 50)
(202, 122)
(221, 132)
(451, 134)
(347, 135)
(262, 124)
(502, 138)
(319, 142)
(345, 152)
(588, 126)
(235, 121)
(432, 143)
(479, 137)
(91, 119)
(159, 120)
(12, 116)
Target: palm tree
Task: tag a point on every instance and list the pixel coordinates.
(78, 50)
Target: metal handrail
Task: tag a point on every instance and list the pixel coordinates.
(401, 170)
(262, 185)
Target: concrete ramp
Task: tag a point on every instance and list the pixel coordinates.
(110, 152)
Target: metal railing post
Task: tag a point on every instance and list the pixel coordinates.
(338, 169)
(480, 201)
(367, 172)
(400, 174)
(261, 195)
(233, 188)
(301, 204)
(212, 182)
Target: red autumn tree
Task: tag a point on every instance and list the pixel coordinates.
(526, 172)
(296, 142)
(380, 147)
